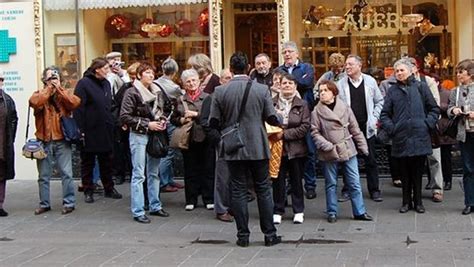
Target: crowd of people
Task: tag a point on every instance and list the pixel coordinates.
(236, 128)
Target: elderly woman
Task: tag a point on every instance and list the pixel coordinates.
(142, 112)
(337, 136)
(296, 124)
(409, 114)
(8, 125)
(198, 168)
(95, 122)
(173, 91)
(461, 103)
(203, 65)
(336, 72)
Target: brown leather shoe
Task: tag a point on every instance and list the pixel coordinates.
(177, 185)
(41, 210)
(225, 217)
(437, 197)
(67, 210)
(168, 189)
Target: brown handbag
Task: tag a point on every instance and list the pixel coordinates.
(181, 135)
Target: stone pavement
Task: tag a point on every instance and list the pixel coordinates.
(104, 234)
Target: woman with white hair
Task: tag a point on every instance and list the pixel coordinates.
(198, 159)
(409, 114)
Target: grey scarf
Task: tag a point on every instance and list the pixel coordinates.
(149, 96)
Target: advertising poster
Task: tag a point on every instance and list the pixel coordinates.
(18, 63)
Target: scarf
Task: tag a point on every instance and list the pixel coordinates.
(194, 94)
(150, 96)
(284, 106)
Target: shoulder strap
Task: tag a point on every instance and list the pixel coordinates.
(244, 100)
(28, 122)
(457, 96)
(163, 91)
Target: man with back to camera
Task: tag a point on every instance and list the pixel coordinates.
(254, 157)
(361, 92)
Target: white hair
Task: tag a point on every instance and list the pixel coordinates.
(188, 73)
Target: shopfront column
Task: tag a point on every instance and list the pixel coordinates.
(215, 34)
(283, 24)
(465, 28)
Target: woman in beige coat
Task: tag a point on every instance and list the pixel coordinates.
(338, 138)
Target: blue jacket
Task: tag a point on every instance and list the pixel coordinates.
(304, 74)
(409, 114)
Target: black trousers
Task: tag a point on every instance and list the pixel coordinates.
(412, 169)
(105, 167)
(122, 163)
(394, 164)
(295, 169)
(446, 164)
(258, 170)
(371, 168)
(199, 164)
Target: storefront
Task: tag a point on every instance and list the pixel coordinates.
(380, 31)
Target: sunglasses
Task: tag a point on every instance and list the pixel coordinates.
(2, 79)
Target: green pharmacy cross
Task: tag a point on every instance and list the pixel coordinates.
(7, 46)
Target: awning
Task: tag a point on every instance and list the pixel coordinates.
(97, 4)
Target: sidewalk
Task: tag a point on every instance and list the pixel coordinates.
(104, 234)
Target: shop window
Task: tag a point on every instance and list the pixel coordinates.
(178, 31)
(317, 51)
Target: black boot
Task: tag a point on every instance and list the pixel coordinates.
(88, 196)
(113, 194)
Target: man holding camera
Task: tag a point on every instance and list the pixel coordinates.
(50, 104)
(117, 76)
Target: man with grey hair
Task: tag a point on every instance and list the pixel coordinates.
(434, 160)
(262, 72)
(173, 91)
(225, 76)
(117, 76)
(304, 75)
(361, 92)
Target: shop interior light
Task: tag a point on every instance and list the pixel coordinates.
(152, 29)
(333, 22)
(412, 19)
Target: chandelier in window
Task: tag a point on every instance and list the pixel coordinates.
(412, 19)
(333, 22)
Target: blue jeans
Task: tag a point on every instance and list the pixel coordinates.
(467, 155)
(59, 152)
(166, 163)
(310, 165)
(140, 159)
(96, 172)
(351, 171)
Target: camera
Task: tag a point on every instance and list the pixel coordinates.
(54, 75)
(118, 64)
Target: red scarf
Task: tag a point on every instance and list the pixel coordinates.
(194, 94)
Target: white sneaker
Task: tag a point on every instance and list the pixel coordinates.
(210, 206)
(299, 218)
(189, 207)
(276, 219)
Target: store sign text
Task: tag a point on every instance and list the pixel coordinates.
(374, 21)
(255, 7)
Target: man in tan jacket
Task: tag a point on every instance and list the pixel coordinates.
(49, 104)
